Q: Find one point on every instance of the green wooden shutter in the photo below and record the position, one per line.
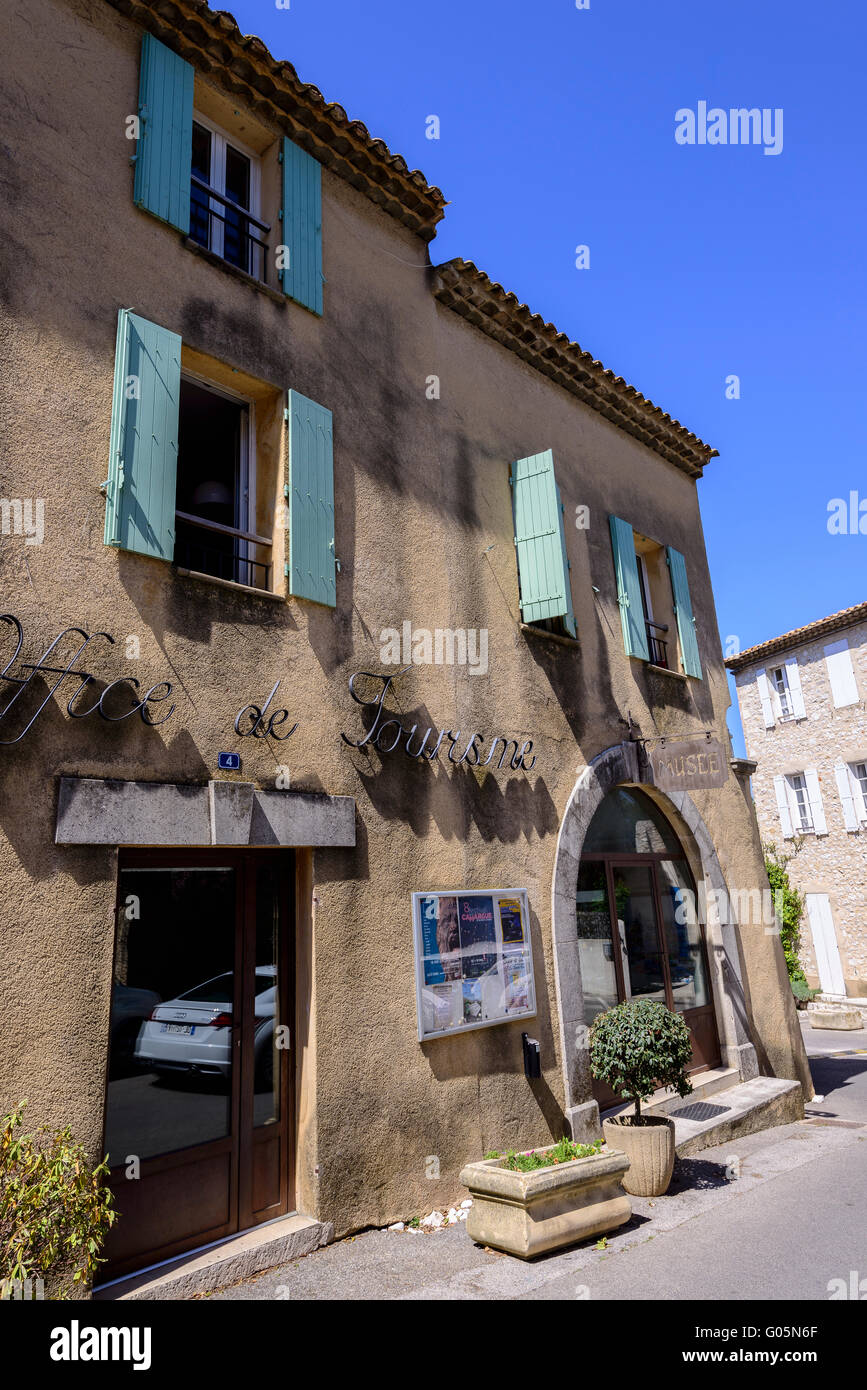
(142, 471)
(683, 610)
(310, 486)
(164, 155)
(628, 589)
(543, 569)
(301, 215)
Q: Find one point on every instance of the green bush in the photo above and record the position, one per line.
(792, 907)
(639, 1046)
(55, 1211)
(802, 991)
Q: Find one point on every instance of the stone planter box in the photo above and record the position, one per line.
(842, 1016)
(529, 1213)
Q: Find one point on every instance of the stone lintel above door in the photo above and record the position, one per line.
(96, 811)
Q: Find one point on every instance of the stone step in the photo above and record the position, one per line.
(704, 1084)
(746, 1108)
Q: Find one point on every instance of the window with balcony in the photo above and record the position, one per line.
(225, 184)
(215, 505)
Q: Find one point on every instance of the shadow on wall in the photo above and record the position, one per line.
(503, 806)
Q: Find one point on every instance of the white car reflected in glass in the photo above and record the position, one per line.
(193, 1032)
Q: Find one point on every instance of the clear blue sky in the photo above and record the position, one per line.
(557, 129)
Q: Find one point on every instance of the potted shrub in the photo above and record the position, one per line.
(636, 1048)
(527, 1203)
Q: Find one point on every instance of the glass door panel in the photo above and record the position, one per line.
(635, 916)
(689, 986)
(172, 1010)
(595, 951)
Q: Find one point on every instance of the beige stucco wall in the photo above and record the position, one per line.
(423, 533)
(836, 862)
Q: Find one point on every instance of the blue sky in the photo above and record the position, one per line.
(557, 129)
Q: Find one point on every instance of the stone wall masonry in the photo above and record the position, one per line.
(835, 863)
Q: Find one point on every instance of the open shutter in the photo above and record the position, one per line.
(838, 660)
(794, 678)
(628, 589)
(143, 463)
(164, 154)
(782, 795)
(301, 215)
(764, 687)
(817, 810)
(310, 487)
(683, 611)
(543, 569)
(847, 799)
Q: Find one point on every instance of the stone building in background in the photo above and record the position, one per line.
(803, 704)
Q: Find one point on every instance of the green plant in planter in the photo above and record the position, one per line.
(639, 1046)
(55, 1210)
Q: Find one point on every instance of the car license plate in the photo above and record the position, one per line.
(178, 1028)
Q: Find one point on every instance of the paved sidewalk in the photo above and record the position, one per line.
(792, 1220)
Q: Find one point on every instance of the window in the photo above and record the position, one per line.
(781, 687)
(852, 787)
(654, 600)
(780, 692)
(195, 175)
(224, 200)
(841, 676)
(799, 802)
(238, 486)
(216, 487)
(802, 819)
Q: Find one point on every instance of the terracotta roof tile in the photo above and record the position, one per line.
(798, 636)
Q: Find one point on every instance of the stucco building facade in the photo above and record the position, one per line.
(802, 702)
(275, 449)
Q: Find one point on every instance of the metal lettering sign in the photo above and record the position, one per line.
(689, 764)
(386, 734)
(42, 668)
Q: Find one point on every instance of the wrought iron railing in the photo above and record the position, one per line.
(237, 229)
(657, 647)
(222, 562)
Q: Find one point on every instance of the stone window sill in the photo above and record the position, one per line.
(541, 632)
(230, 584)
(197, 250)
(665, 670)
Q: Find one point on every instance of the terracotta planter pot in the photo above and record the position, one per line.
(529, 1213)
(650, 1150)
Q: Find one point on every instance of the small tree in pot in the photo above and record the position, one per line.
(635, 1048)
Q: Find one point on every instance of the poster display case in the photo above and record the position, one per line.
(473, 959)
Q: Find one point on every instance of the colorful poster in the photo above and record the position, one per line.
(517, 982)
(440, 939)
(478, 936)
(511, 921)
(472, 1001)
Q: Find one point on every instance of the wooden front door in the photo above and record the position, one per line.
(199, 1093)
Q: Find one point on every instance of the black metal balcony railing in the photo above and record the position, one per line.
(221, 556)
(657, 647)
(241, 246)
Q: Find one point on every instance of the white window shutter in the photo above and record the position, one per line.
(765, 697)
(817, 810)
(783, 806)
(794, 678)
(838, 660)
(847, 800)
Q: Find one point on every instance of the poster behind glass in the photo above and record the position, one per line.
(474, 964)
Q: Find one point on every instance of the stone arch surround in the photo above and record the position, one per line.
(619, 766)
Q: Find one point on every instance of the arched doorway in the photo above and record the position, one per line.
(633, 941)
